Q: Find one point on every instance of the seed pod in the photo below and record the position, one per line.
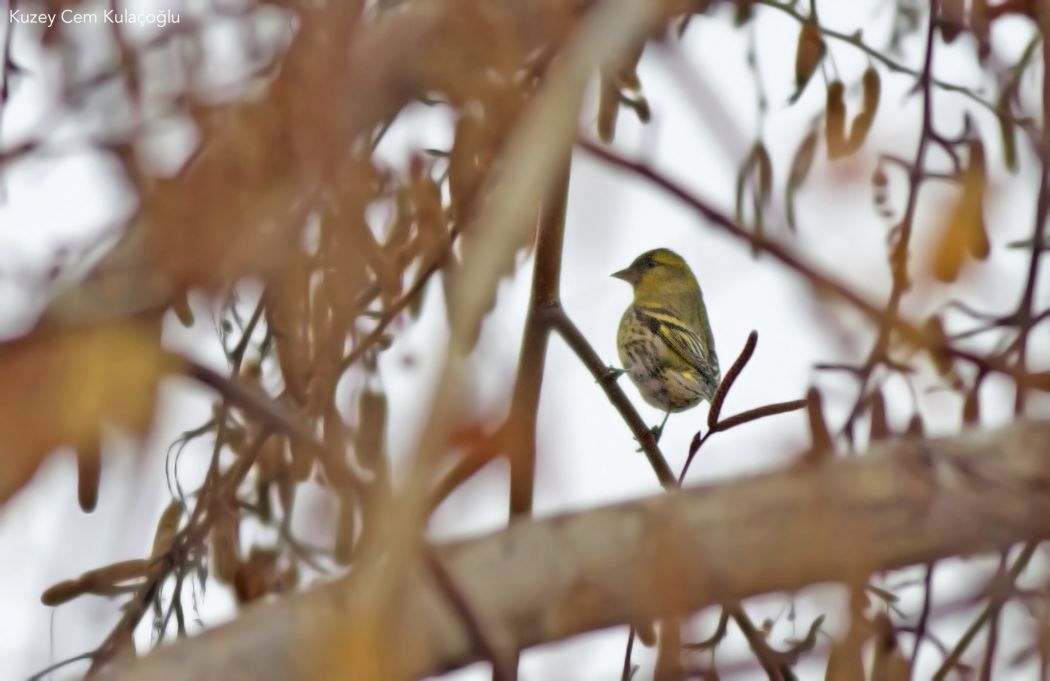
(971, 414)
(95, 581)
(808, 53)
(915, 426)
(975, 184)
(180, 305)
(765, 173)
(1007, 132)
(257, 576)
(225, 543)
(800, 167)
(980, 25)
(89, 476)
(742, 11)
(937, 340)
(818, 426)
(835, 120)
(371, 428)
(167, 526)
(862, 123)
(872, 88)
(951, 19)
(880, 427)
(964, 232)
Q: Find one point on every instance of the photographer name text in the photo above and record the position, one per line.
(109, 16)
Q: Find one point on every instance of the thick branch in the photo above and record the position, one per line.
(907, 502)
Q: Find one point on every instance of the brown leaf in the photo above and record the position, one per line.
(800, 167)
(808, 53)
(822, 446)
(951, 18)
(862, 123)
(880, 428)
(225, 542)
(98, 580)
(167, 526)
(89, 472)
(260, 575)
(964, 233)
(835, 120)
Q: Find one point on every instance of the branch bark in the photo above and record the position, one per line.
(906, 502)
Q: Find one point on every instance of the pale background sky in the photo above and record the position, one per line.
(704, 120)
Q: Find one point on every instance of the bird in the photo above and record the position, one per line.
(665, 345)
(664, 339)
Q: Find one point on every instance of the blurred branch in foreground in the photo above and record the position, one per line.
(838, 521)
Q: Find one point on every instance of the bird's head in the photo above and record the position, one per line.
(657, 270)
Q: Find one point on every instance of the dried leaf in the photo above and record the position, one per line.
(880, 428)
(167, 526)
(971, 415)
(964, 231)
(225, 542)
(862, 123)
(800, 167)
(89, 473)
(835, 120)
(742, 10)
(1007, 131)
(980, 25)
(822, 445)
(99, 580)
(951, 18)
(808, 53)
(936, 340)
(915, 426)
(180, 305)
(261, 575)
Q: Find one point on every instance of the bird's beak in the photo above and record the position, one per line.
(628, 275)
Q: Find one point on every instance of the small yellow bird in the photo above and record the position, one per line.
(664, 340)
(665, 344)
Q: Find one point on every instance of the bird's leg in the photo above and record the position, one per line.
(611, 374)
(658, 430)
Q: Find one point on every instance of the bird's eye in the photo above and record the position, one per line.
(650, 263)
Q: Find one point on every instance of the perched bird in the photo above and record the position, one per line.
(665, 344)
(664, 340)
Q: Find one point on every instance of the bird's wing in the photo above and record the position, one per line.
(682, 340)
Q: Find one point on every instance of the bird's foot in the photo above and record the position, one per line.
(655, 432)
(611, 374)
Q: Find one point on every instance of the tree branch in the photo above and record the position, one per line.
(549, 579)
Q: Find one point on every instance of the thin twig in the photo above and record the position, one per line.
(995, 601)
(607, 380)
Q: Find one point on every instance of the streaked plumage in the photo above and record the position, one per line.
(664, 340)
